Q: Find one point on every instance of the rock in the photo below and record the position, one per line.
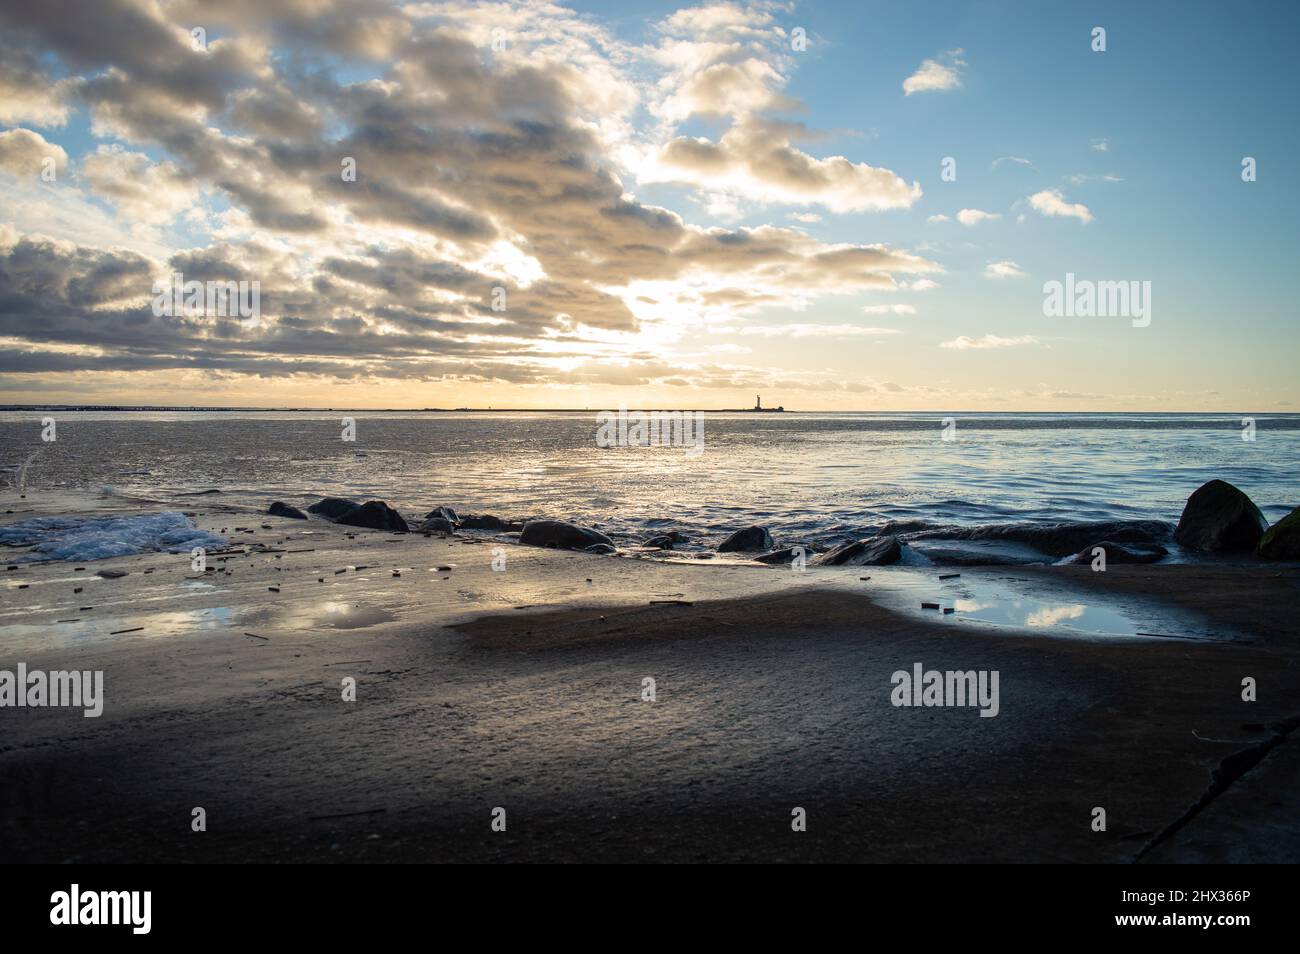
(279, 509)
(1051, 539)
(874, 551)
(749, 540)
(604, 548)
(786, 555)
(664, 541)
(560, 535)
(376, 515)
(1219, 518)
(332, 507)
(1123, 552)
(446, 513)
(437, 525)
(486, 521)
(112, 574)
(1282, 540)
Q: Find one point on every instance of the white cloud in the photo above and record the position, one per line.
(938, 218)
(889, 310)
(1003, 270)
(967, 343)
(1016, 159)
(808, 217)
(1052, 202)
(969, 217)
(815, 331)
(937, 74)
(1101, 145)
(920, 285)
(23, 152)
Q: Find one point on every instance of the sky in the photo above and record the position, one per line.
(838, 206)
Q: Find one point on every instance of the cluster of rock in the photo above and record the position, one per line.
(1218, 518)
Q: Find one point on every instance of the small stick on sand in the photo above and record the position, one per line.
(671, 602)
(255, 636)
(119, 632)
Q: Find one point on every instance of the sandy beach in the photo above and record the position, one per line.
(521, 688)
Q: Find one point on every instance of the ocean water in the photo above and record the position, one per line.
(808, 477)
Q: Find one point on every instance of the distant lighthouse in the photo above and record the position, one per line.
(758, 403)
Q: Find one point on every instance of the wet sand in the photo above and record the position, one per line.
(773, 691)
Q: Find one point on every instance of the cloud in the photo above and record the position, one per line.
(816, 331)
(142, 190)
(1100, 145)
(940, 217)
(969, 217)
(967, 343)
(919, 285)
(1052, 203)
(757, 160)
(1002, 270)
(938, 74)
(1013, 159)
(807, 217)
(24, 153)
(889, 310)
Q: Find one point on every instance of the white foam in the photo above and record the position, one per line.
(97, 538)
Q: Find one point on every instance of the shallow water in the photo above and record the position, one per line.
(809, 477)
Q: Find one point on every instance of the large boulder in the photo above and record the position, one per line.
(1123, 552)
(874, 551)
(749, 540)
(281, 509)
(1219, 518)
(560, 535)
(376, 515)
(1282, 540)
(332, 507)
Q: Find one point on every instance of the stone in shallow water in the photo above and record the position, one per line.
(560, 535)
(1219, 518)
(1282, 541)
(1123, 552)
(749, 540)
(874, 551)
(376, 515)
(332, 507)
(281, 509)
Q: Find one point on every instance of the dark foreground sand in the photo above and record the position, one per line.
(775, 698)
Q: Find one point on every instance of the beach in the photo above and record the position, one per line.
(521, 686)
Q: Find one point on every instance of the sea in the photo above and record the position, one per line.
(807, 477)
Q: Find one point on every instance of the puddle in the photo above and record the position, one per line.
(265, 620)
(978, 598)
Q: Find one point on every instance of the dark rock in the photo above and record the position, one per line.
(1219, 518)
(604, 548)
(785, 555)
(332, 507)
(485, 521)
(1123, 553)
(560, 535)
(664, 541)
(749, 540)
(875, 551)
(437, 525)
(279, 509)
(446, 513)
(1282, 541)
(376, 515)
(1054, 539)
